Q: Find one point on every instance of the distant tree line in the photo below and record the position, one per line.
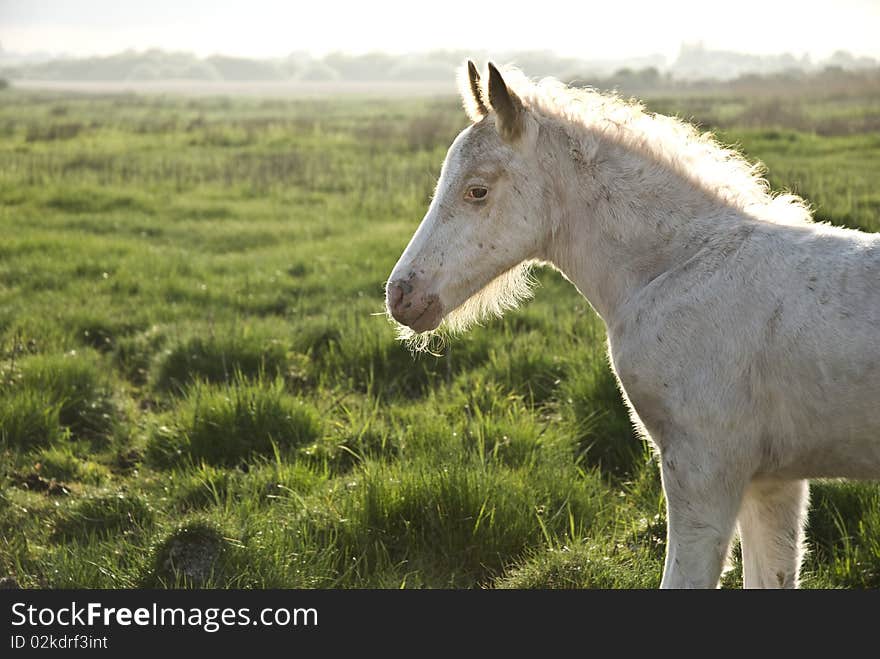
(693, 67)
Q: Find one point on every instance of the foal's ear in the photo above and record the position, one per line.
(507, 105)
(471, 92)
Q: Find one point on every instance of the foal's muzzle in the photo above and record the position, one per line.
(410, 305)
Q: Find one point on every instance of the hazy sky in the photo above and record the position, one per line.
(590, 30)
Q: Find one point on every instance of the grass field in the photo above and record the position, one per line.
(195, 389)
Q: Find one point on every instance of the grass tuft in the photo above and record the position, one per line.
(586, 565)
(28, 418)
(219, 358)
(103, 516)
(229, 424)
(71, 387)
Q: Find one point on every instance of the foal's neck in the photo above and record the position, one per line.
(627, 218)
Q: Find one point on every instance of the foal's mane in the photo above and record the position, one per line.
(722, 171)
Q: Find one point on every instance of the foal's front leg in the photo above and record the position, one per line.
(771, 524)
(702, 500)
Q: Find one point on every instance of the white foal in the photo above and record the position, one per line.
(745, 337)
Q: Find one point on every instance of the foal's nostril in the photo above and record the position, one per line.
(395, 295)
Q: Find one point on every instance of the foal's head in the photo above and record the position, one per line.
(469, 256)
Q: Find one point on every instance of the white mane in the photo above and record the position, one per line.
(699, 157)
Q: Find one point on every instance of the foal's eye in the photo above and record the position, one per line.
(476, 193)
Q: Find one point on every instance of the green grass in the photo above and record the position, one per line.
(228, 424)
(218, 357)
(28, 418)
(47, 397)
(196, 391)
(96, 517)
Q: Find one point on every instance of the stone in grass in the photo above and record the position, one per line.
(189, 556)
(9, 583)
